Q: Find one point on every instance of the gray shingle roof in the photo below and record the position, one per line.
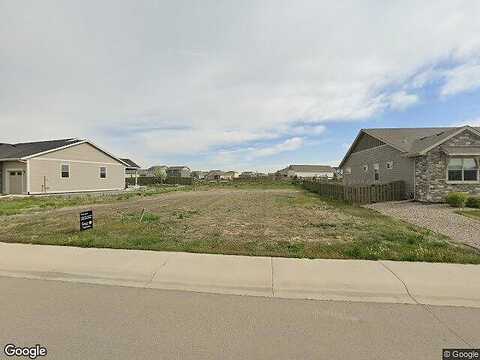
(412, 140)
(20, 150)
(130, 164)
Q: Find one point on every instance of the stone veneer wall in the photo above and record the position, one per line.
(431, 171)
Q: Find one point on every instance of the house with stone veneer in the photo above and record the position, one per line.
(431, 161)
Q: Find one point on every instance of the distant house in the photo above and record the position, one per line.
(307, 171)
(178, 171)
(132, 169)
(230, 175)
(431, 161)
(248, 175)
(59, 166)
(215, 175)
(199, 175)
(153, 171)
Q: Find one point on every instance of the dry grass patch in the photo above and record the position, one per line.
(279, 221)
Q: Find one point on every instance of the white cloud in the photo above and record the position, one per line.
(288, 145)
(401, 100)
(224, 73)
(462, 78)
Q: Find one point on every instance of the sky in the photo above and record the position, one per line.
(244, 85)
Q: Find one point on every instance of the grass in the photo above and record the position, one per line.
(19, 205)
(474, 214)
(279, 223)
(16, 205)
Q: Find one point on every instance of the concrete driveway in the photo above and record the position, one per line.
(437, 217)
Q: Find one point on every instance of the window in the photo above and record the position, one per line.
(389, 165)
(65, 171)
(348, 170)
(463, 169)
(376, 171)
(103, 172)
(365, 168)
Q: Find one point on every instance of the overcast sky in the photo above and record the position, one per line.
(234, 84)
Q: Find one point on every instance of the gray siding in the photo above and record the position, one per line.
(403, 167)
(366, 142)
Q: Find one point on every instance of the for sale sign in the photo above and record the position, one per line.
(86, 220)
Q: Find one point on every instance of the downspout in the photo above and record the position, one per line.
(28, 177)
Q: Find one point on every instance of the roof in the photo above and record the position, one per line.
(411, 141)
(130, 163)
(156, 167)
(311, 168)
(21, 150)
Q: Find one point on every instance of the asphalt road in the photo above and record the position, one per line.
(79, 321)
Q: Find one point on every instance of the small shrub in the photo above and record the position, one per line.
(457, 199)
(473, 202)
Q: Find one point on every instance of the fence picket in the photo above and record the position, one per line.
(393, 191)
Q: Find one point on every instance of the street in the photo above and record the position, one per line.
(85, 321)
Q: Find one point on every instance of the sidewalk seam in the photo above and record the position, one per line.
(426, 307)
(155, 272)
(403, 282)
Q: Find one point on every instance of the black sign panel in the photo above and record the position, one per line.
(86, 220)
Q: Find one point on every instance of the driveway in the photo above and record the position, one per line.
(437, 217)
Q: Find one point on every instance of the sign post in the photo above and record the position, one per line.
(86, 220)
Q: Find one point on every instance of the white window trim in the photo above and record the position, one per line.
(459, 182)
(391, 165)
(365, 167)
(61, 171)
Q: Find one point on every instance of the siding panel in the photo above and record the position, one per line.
(403, 167)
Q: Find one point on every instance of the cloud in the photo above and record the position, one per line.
(288, 145)
(160, 80)
(462, 78)
(401, 100)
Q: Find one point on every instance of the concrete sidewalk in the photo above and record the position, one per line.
(345, 280)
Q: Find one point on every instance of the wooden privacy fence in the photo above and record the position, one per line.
(368, 194)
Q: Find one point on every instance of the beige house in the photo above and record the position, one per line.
(59, 166)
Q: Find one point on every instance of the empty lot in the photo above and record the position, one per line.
(250, 221)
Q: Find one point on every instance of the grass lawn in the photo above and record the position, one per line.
(242, 218)
(474, 214)
(19, 205)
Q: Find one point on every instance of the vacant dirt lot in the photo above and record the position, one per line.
(277, 222)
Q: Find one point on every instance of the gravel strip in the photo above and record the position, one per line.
(437, 217)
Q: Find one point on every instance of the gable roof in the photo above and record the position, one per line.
(24, 151)
(130, 164)
(411, 141)
(21, 150)
(311, 168)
